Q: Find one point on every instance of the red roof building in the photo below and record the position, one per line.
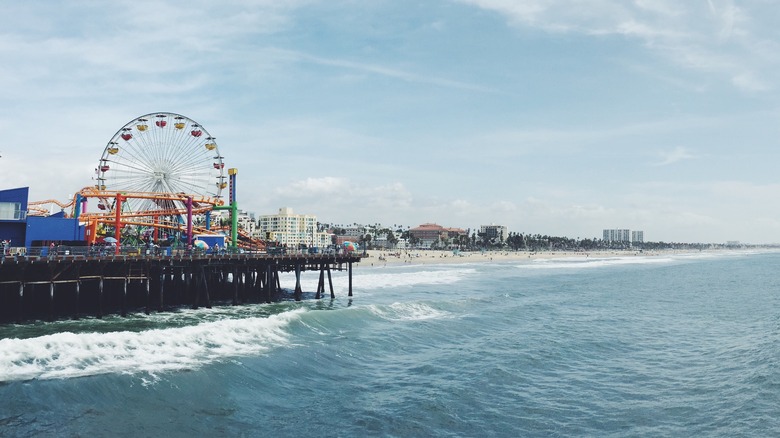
(429, 233)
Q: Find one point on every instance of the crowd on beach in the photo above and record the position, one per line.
(418, 256)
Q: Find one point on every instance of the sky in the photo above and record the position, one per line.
(546, 116)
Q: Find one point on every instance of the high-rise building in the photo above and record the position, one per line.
(624, 235)
(617, 235)
(291, 229)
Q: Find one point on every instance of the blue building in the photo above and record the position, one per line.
(22, 230)
(13, 215)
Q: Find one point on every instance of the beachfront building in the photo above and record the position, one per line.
(623, 235)
(492, 232)
(431, 234)
(292, 230)
(617, 235)
(354, 232)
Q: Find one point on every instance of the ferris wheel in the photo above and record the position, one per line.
(161, 153)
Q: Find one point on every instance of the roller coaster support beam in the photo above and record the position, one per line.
(233, 208)
(77, 206)
(189, 221)
(118, 222)
(76, 213)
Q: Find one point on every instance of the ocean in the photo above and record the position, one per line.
(668, 345)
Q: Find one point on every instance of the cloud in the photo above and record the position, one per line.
(338, 191)
(675, 155)
(735, 42)
(315, 187)
(384, 71)
(748, 81)
(505, 206)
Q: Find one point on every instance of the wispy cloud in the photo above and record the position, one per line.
(674, 156)
(718, 37)
(383, 71)
(339, 191)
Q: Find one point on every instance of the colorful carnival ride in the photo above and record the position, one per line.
(159, 179)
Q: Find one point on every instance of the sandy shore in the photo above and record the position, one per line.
(419, 257)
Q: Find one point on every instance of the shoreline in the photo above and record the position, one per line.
(379, 258)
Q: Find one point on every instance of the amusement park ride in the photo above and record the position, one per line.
(159, 178)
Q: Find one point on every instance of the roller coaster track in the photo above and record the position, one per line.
(39, 208)
(163, 218)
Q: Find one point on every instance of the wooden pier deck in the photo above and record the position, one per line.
(67, 286)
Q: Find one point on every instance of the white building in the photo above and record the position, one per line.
(292, 230)
(354, 231)
(247, 222)
(623, 235)
(617, 235)
(497, 232)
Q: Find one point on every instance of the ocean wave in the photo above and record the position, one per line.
(593, 262)
(372, 279)
(412, 311)
(67, 354)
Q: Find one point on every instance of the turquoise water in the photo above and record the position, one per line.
(685, 345)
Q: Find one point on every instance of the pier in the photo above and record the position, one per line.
(159, 229)
(53, 287)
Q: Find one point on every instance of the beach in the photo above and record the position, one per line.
(421, 256)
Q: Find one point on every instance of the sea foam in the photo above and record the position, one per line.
(67, 354)
(592, 262)
(411, 311)
(380, 278)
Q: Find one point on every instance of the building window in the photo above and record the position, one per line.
(10, 211)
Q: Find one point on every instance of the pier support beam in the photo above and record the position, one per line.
(321, 283)
(51, 301)
(235, 286)
(268, 281)
(330, 283)
(298, 291)
(204, 285)
(100, 299)
(161, 302)
(244, 280)
(147, 282)
(78, 299)
(350, 279)
(20, 309)
(206, 290)
(124, 296)
(148, 296)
